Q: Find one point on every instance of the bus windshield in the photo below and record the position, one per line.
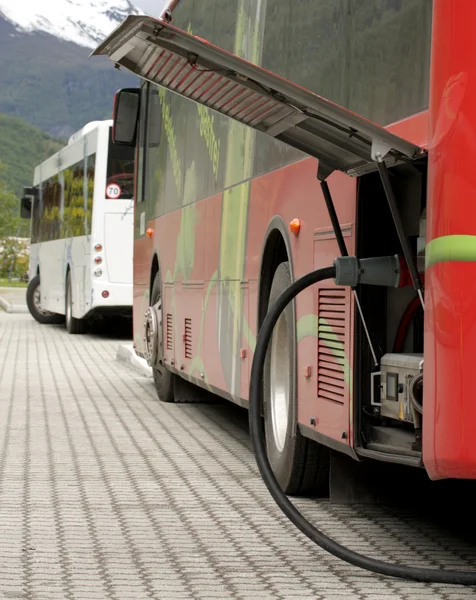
(120, 172)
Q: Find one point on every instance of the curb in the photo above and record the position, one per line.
(12, 308)
(126, 355)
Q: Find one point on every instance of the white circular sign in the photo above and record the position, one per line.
(113, 191)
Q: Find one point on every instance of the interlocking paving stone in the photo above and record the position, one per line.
(107, 493)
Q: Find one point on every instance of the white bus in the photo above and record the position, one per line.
(81, 211)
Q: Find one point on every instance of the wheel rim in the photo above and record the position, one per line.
(280, 381)
(158, 308)
(37, 301)
(152, 336)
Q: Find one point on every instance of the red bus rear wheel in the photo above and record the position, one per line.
(164, 380)
(300, 465)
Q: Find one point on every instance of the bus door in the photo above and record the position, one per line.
(119, 213)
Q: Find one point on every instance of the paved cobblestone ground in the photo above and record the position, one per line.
(107, 493)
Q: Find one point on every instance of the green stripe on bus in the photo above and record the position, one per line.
(451, 248)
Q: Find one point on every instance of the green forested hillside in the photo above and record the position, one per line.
(53, 84)
(22, 148)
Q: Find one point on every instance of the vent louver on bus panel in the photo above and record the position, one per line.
(188, 338)
(197, 70)
(169, 333)
(332, 344)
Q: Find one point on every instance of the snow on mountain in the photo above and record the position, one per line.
(84, 22)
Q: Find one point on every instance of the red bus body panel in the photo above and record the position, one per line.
(288, 193)
(449, 441)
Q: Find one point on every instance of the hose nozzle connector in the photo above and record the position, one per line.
(382, 270)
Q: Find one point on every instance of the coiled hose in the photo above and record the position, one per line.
(259, 447)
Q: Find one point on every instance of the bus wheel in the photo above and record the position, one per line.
(300, 465)
(33, 301)
(164, 380)
(73, 325)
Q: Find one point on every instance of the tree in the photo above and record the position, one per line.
(13, 258)
(11, 225)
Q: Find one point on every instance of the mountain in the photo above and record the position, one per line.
(23, 148)
(84, 22)
(47, 78)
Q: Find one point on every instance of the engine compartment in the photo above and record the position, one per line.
(388, 408)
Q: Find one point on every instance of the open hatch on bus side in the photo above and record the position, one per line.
(200, 71)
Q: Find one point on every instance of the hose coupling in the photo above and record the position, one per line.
(382, 270)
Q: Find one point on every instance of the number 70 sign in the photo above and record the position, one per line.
(113, 191)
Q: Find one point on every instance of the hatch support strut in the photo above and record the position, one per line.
(322, 174)
(379, 150)
(392, 204)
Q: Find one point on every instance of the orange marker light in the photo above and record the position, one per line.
(295, 226)
(149, 232)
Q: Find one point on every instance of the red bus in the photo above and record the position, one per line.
(226, 217)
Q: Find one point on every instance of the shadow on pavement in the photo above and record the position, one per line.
(445, 507)
(115, 329)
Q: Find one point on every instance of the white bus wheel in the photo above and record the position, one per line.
(33, 301)
(73, 325)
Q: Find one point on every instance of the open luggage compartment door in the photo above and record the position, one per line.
(195, 69)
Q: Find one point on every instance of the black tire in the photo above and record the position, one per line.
(73, 326)
(300, 465)
(33, 302)
(164, 380)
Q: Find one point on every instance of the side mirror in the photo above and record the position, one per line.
(26, 203)
(25, 208)
(126, 116)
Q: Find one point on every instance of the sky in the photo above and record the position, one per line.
(151, 7)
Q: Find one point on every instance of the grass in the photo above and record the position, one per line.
(12, 284)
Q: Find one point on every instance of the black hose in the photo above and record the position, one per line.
(416, 393)
(259, 447)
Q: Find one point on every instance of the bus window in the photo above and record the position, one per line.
(50, 220)
(120, 172)
(90, 172)
(36, 216)
(73, 222)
